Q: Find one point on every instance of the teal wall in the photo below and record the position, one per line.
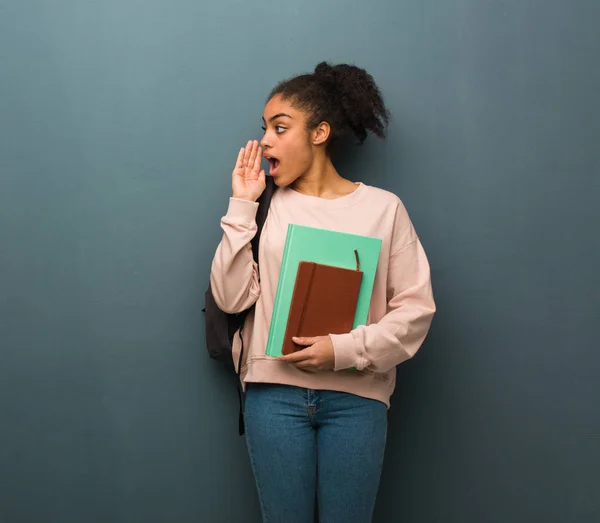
(119, 126)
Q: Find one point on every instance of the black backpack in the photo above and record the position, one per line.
(221, 327)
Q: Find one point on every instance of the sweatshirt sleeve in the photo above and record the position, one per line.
(234, 273)
(410, 308)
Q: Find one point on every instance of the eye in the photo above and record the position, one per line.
(278, 129)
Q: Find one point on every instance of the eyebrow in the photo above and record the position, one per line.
(278, 115)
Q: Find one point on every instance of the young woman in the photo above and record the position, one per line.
(316, 420)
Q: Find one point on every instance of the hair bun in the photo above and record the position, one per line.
(326, 72)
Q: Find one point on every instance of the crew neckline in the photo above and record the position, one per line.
(329, 203)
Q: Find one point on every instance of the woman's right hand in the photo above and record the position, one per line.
(248, 181)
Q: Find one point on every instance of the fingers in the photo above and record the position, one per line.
(304, 341)
(240, 159)
(300, 355)
(257, 160)
(250, 157)
(318, 355)
(247, 153)
(303, 360)
(296, 357)
(253, 155)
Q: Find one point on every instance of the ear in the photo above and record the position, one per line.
(320, 134)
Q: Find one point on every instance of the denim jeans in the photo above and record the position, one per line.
(306, 444)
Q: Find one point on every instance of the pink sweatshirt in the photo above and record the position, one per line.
(401, 308)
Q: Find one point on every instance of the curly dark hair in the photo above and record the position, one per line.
(345, 96)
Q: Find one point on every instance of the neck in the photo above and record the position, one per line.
(323, 181)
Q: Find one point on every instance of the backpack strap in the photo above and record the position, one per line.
(264, 201)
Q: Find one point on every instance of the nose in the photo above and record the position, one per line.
(265, 143)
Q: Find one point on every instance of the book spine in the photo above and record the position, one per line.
(270, 350)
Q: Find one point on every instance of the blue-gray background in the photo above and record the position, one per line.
(120, 121)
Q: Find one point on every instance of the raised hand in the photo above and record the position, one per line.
(248, 180)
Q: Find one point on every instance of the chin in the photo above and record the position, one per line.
(275, 179)
(280, 181)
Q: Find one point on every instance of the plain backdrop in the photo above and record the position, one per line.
(120, 122)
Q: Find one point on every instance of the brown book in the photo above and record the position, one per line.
(323, 302)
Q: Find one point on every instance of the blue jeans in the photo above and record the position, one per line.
(306, 444)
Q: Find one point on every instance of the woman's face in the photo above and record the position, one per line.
(286, 143)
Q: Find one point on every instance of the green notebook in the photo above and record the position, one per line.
(326, 247)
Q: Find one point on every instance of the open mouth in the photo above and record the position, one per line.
(273, 163)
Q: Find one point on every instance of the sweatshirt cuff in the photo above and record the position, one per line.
(346, 352)
(242, 210)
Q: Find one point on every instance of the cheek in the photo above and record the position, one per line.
(301, 154)
(298, 162)
(297, 154)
